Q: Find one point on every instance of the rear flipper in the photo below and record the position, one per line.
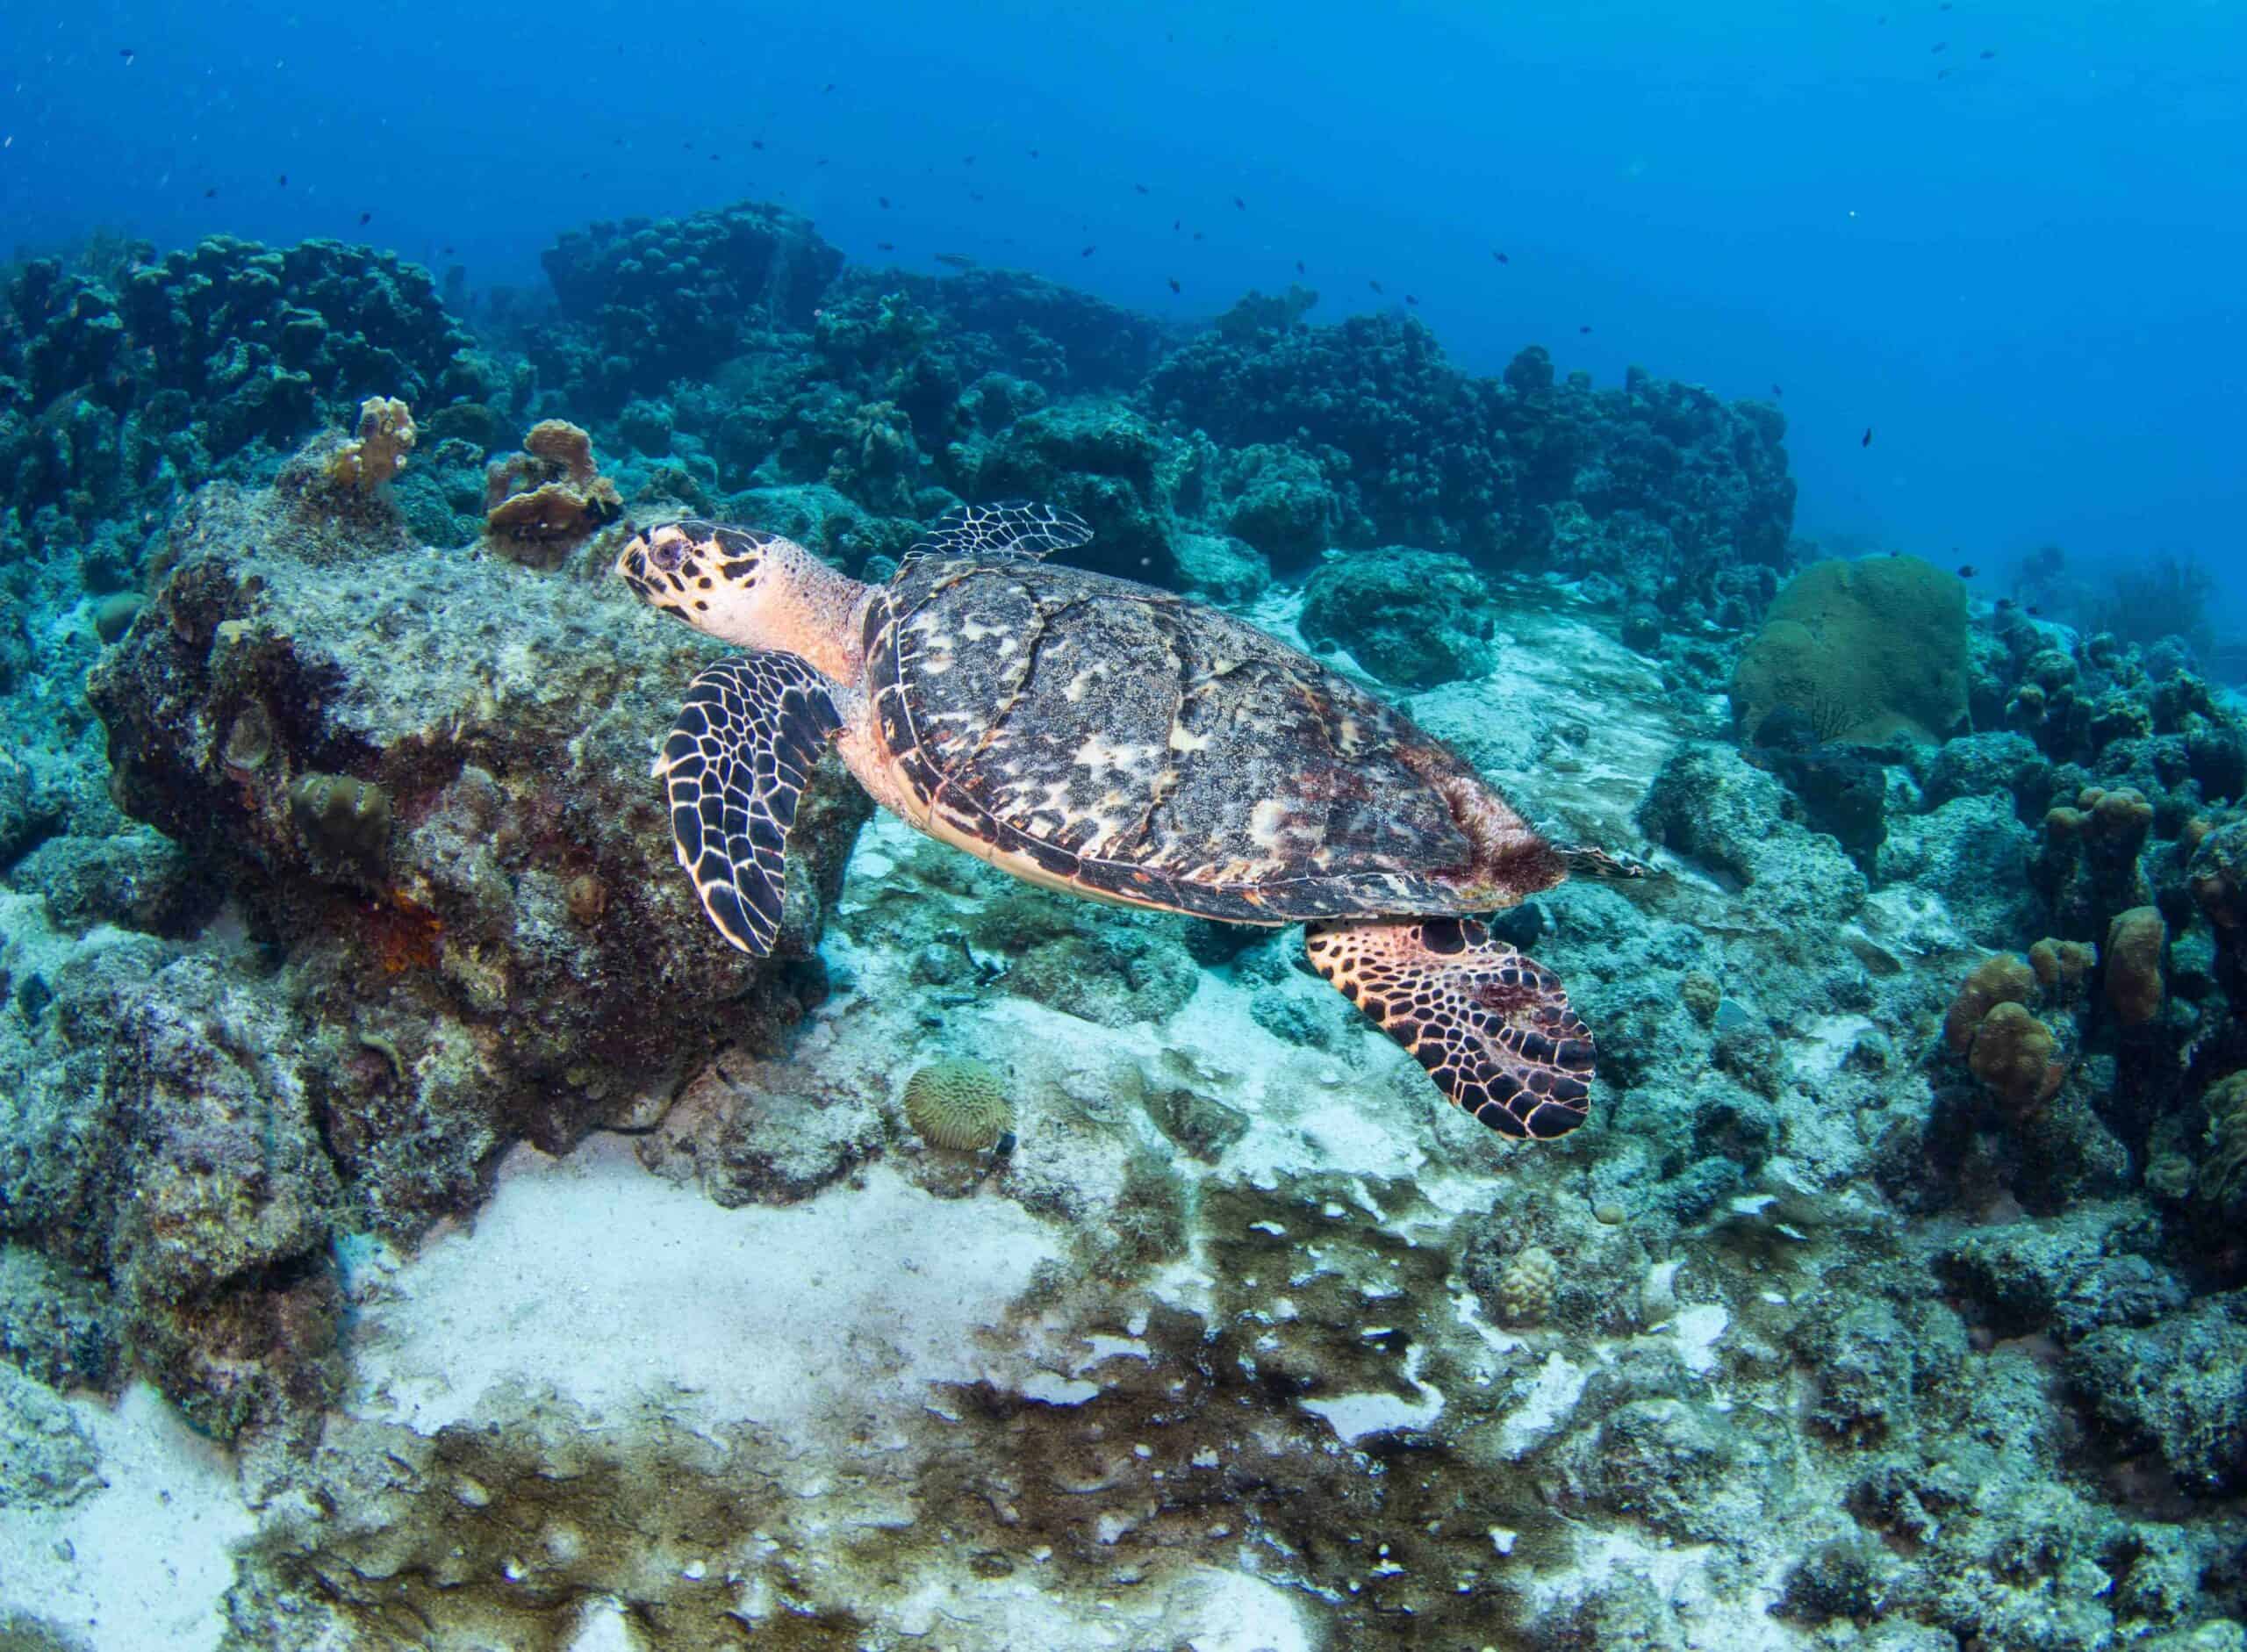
(1493, 1028)
(735, 763)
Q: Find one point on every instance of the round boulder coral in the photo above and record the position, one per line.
(959, 1104)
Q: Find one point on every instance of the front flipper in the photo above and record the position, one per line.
(1012, 528)
(1493, 1029)
(734, 765)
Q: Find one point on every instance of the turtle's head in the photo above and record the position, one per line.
(750, 588)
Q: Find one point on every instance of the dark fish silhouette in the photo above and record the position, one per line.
(1174, 284)
(1967, 570)
(284, 180)
(1299, 269)
(1942, 74)
(1939, 45)
(2005, 604)
(1777, 392)
(1867, 442)
(365, 219)
(211, 194)
(1175, 223)
(885, 246)
(444, 252)
(756, 143)
(958, 261)
(1033, 155)
(1990, 54)
(828, 88)
(127, 52)
(1141, 188)
(1088, 252)
(967, 160)
(975, 195)
(884, 199)
(2034, 611)
(1584, 329)
(1375, 285)
(1501, 258)
(1236, 201)
(1409, 298)
(1197, 235)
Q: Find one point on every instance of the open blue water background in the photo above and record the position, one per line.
(2025, 275)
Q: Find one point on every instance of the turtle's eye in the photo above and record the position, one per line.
(666, 550)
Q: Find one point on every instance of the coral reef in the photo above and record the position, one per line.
(375, 1100)
(377, 453)
(1863, 651)
(542, 504)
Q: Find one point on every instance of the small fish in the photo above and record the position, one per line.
(1175, 223)
(756, 143)
(1988, 54)
(884, 200)
(1410, 299)
(1584, 329)
(284, 180)
(1967, 570)
(1777, 392)
(1942, 74)
(1867, 441)
(1197, 235)
(127, 52)
(957, 261)
(1087, 252)
(444, 252)
(1375, 285)
(1939, 45)
(1299, 269)
(1236, 201)
(1033, 155)
(820, 161)
(1174, 284)
(827, 88)
(211, 194)
(1501, 258)
(967, 160)
(1142, 189)
(2005, 605)
(365, 219)
(2033, 612)
(975, 195)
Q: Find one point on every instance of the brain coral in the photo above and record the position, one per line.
(1867, 650)
(958, 1104)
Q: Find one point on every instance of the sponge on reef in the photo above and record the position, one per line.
(1866, 651)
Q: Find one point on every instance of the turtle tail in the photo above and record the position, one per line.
(1493, 1028)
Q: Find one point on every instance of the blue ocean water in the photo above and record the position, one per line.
(2005, 237)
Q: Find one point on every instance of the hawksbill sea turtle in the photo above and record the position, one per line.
(1119, 742)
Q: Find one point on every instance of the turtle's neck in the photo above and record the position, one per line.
(807, 608)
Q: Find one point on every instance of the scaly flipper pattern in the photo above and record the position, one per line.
(1493, 1029)
(1012, 528)
(734, 766)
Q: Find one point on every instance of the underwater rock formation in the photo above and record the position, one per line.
(1412, 618)
(425, 774)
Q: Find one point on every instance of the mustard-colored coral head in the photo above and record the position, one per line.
(959, 1104)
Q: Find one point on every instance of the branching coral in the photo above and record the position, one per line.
(541, 503)
(386, 435)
